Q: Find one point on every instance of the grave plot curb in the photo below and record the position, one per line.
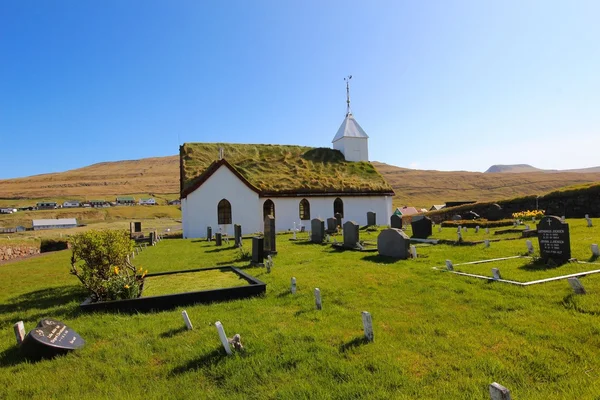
(165, 302)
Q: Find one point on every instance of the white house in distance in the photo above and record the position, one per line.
(71, 204)
(224, 184)
(58, 223)
(150, 201)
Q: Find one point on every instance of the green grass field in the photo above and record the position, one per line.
(437, 335)
(191, 282)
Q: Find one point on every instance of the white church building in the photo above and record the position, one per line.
(225, 184)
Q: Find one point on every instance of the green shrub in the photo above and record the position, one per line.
(100, 261)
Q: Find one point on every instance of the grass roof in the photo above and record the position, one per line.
(283, 169)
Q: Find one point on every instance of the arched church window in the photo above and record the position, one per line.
(304, 209)
(268, 209)
(338, 207)
(224, 212)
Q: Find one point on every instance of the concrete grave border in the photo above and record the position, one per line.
(255, 287)
(489, 278)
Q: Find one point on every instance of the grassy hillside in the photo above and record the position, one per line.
(160, 176)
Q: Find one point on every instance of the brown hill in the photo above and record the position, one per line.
(160, 175)
(517, 168)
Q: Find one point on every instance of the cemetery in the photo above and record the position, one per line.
(380, 324)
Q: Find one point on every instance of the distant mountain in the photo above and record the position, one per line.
(519, 168)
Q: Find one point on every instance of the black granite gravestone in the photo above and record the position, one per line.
(554, 240)
(351, 234)
(208, 233)
(421, 227)
(237, 234)
(317, 230)
(50, 338)
(371, 218)
(396, 221)
(331, 225)
(270, 244)
(218, 239)
(258, 250)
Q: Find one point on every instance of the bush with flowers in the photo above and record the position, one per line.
(100, 261)
(528, 215)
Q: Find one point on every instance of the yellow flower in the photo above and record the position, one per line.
(126, 286)
(140, 270)
(144, 274)
(116, 270)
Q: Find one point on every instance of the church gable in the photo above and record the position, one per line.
(273, 170)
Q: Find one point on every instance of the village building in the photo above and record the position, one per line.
(71, 204)
(46, 205)
(436, 207)
(225, 184)
(150, 201)
(125, 201)
(58, 223)
(99, 203)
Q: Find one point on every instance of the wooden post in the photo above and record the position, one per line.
(318, 299)
(293, 286)
(449, 265)
(187, 321)
(576, 285)
(595, 251)
(19, 328)
(499, 392)
(367, 325)
(223, 338)
(496, 273)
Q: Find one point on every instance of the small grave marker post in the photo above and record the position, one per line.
(293, 288)
(223, 337)
(318, 303)
(499, 392)
(19, 328)
(187, 321)
(413, 251)
(496, 274)
(589, 222)
(439, 228)
(477, 229)
(487, 243)
(595, 250)
(449, 265)
(459, 237)
(459, 229)
(487, 230)
(529, 246)
(367, 325)
(576, 285)
(527, 227)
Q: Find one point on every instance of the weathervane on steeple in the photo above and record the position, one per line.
(347, 80)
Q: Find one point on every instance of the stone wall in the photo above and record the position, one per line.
(9, 252)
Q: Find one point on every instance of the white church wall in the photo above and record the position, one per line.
(355, 149)
(199, 209)
(355, 209)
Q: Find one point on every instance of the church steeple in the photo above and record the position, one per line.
(347, 80)
(350, 138)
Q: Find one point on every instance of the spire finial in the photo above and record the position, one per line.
(347, 80)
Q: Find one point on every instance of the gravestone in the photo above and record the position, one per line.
(208, 233)
(499, 392)
(367, 326)
(270, 238)
(331, 225)
(422, 228)
(496, 273)
(237, 234)
(50, 338)
(595, 250)
(351, 234)
(396, 221)
(576, 285)
(258, 250)
(371, 218)
(393, 243)
(317, 228)
(338, 217)
(152, 238)
(218, 239)
(554, 240)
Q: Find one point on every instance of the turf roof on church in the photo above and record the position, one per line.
(283, 169)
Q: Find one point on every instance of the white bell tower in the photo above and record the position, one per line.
(351, 139)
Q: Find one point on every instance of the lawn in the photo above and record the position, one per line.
(191, 282)
(437, 335)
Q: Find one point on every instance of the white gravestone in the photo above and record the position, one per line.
(496, 273)
(465, 229)
(487, 230)
(187, 321)
(477, 229)
(318, 303)
(223, 337)
(293, 288)
(459, 229)
(367, 325)
(576, 285)
(19, 328)
(589, 222)
(449, 265)
(595, 251)
(499, 392)
(413, 251)
(529, 246)
(487, 243)
(459, 236)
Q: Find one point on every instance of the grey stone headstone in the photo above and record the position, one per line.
(449, 265)
(396, 221)
(499, 392)
(351, 234)
(393, 243)
(317, 228)
(258, 247)
(595, 250)
(576, 285)
(331, 224)
(367, 325)
(237, 234)
(487, 230)
(422, 228)
(270, 237)
(496, 273)
(589, 222)
(208, 233)
(218, 239)
(371, 218)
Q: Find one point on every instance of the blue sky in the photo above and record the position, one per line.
(447, 85)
